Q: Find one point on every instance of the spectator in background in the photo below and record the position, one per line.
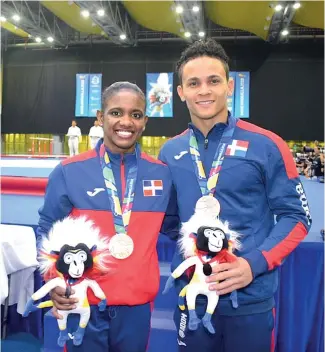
(95, 134)
(319, 167)
(308, 164)
(74, 134)
(300, 163)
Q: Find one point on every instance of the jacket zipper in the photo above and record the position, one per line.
(122, 177)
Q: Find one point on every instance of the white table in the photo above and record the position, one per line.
(18, 260)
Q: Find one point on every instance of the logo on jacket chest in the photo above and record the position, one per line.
(152, 188)
(95, 192)
(181, 154)
(237, 148)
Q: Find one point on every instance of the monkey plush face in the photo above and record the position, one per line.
(74, 261)
(211, 240)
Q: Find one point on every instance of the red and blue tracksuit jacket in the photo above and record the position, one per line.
(71, 190)
(254, 186)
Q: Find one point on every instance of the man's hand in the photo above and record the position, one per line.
(236, 275)
(61, 302)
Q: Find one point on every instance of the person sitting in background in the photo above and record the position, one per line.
(308, 164)
(300, 163)
(319, 167)
(316, 147)
(95, 134)
(74, 134)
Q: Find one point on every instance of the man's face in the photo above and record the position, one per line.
(73, 124)
(96, 123)
(123, 120)
(205, 87)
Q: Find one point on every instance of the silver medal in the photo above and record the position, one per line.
(121, 246)
(208, 206)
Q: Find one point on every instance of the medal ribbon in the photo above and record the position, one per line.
(208, 186)
(122, 215)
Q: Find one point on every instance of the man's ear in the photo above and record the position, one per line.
(231, 87)
(180, 93)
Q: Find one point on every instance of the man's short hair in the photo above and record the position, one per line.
(209, 48)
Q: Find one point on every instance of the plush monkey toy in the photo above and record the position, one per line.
(205, 241)
(72, 256)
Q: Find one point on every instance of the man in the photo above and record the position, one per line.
(319, 167)
(95, 134)
(254, 178)
(126, 193)
(74, 134)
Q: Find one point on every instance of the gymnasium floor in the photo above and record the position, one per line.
(163, 333)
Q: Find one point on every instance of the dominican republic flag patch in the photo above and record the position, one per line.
(152, 188)
(237, 148)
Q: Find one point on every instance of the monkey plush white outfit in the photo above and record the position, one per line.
(205, 242)
(73, 252)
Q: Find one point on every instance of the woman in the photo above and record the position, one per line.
(112, 180)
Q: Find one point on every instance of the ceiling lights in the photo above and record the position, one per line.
(16, 18)
(179, 9)
(85, 13)
(100, 12)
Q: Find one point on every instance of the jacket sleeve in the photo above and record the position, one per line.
(56, 203)
(287, 200)
(171, 224)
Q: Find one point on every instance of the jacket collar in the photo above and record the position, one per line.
(119, 157)
(215, 130)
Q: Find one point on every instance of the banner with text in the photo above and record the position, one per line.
(242, 95)
(95, 94)
(231, 99)
(82, 96)
(88, 94)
